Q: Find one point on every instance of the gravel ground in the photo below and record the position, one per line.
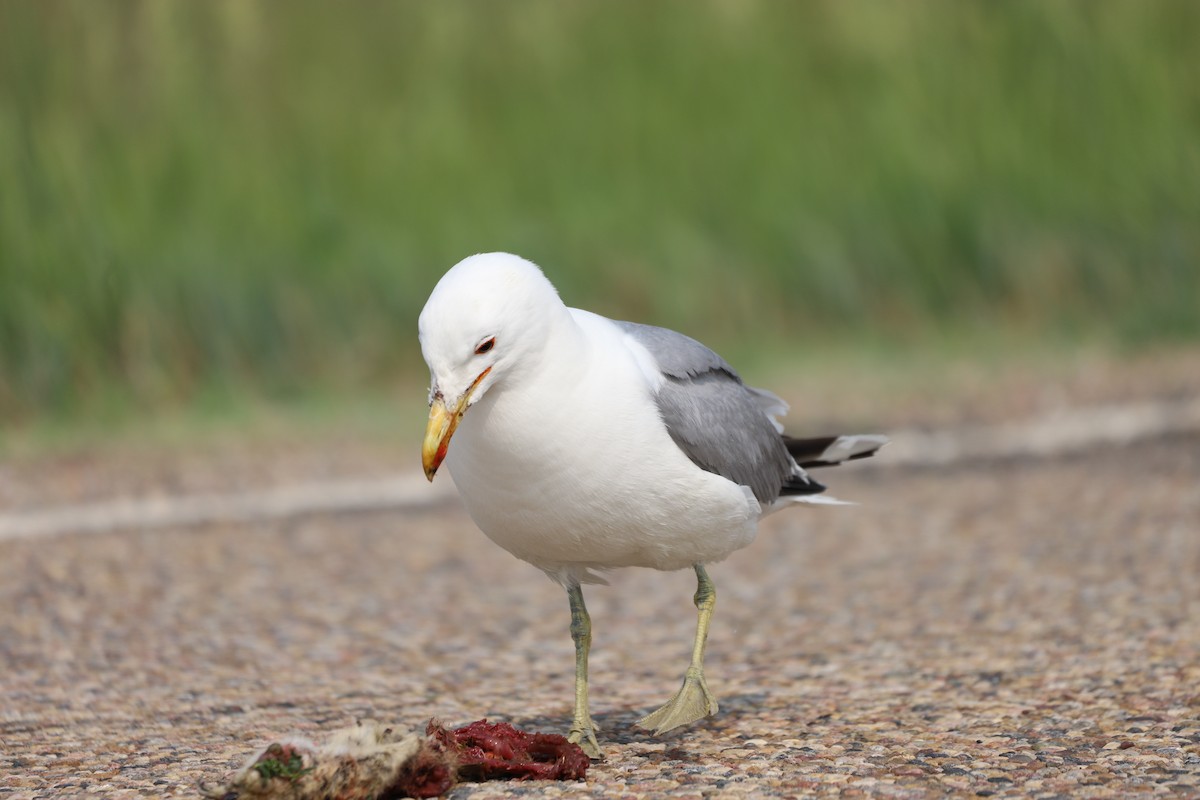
(1006, 629)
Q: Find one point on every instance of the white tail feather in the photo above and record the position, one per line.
(809, 499)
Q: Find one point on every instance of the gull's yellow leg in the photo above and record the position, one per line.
(693, 701)
(583, 730)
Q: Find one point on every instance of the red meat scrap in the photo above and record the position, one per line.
(485, 751)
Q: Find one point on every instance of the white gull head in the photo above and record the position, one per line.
(488, 320)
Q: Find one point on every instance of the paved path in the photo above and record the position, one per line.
(1016, 626)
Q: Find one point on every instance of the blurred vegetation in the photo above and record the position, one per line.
(256, 198)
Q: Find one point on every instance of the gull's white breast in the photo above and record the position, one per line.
(572, 469)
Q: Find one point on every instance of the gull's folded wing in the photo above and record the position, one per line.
(714, 418)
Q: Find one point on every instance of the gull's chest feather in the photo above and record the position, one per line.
(583, 473)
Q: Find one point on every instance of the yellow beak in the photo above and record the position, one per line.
(442, 424)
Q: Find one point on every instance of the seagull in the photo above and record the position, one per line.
(583, 444)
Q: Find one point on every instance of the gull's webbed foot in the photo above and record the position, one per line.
(693, 701)
(583, 733)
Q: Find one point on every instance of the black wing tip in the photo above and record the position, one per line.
(798, 485)
(855, 457)
(808, 453)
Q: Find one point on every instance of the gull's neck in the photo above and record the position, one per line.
(553, 364)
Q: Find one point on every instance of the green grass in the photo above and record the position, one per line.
(240, 199)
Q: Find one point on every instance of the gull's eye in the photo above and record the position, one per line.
(485, 345)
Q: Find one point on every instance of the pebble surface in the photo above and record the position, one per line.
(1012, 629)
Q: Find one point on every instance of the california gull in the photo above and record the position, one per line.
(593, 444)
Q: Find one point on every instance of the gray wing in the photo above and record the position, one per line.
(716, 419)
